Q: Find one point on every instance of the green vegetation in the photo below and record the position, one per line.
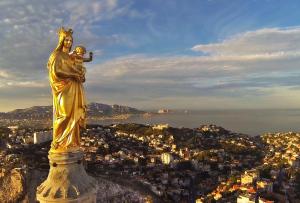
(4, 132)
(133, 128)
(265, 172)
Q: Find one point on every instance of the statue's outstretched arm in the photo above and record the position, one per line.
(88, 59)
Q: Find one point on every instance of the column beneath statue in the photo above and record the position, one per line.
(67, 180)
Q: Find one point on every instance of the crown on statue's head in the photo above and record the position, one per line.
(62, 33)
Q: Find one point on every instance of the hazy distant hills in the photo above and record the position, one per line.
(45, 112)
(97, 109)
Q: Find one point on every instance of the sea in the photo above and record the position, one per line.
(252, 122)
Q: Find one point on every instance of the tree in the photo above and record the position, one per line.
(265, 172)
(233, 179)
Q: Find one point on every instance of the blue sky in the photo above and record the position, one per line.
(196, 54)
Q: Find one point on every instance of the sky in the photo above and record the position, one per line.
(196, 54)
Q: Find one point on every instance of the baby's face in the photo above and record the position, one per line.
(80, 53)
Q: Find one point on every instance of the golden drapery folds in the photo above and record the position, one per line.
(69, 105)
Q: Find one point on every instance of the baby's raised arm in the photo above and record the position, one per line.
(88, 59)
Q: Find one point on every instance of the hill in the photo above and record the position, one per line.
(45, 112)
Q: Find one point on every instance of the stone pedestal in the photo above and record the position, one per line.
(67, 180)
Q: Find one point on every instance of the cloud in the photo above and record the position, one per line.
(262, 51)
(239, 68)
(28, 33)
(27, 84)
(263, 42)
(4, 74)
(190, 68)
(258, 64)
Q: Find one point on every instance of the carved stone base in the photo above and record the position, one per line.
(67, 180)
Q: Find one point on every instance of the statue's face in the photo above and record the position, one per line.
(68, 42)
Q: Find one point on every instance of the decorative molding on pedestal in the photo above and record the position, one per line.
(67, 180)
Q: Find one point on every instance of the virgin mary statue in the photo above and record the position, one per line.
(69, 105)
(67, 180)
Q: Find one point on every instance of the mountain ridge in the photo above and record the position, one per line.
(93, 110)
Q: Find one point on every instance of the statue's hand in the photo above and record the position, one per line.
(83, 79)
(91, 56)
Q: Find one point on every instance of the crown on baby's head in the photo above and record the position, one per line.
(80, 49)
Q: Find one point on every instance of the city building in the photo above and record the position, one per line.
(43, 136)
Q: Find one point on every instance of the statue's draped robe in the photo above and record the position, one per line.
(69, 105)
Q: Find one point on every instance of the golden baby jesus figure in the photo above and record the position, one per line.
(77, 56)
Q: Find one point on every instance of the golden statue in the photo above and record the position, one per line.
(67, 180)
(69, 104)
